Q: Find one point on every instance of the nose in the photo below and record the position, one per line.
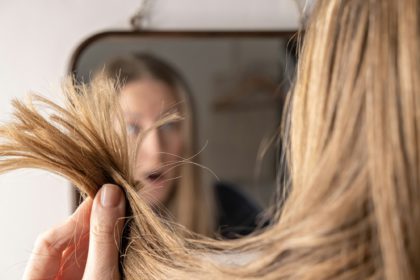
(150, 152)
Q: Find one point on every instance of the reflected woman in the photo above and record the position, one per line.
(153, 89)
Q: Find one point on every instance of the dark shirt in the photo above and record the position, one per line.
(237, 214)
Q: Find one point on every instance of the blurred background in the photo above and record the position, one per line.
(38, 40)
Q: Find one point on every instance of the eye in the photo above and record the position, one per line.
(133, 129)
(169, 127)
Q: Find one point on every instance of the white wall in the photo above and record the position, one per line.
(37, 38)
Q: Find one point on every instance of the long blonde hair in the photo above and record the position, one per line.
(353, 209)
(191, 203)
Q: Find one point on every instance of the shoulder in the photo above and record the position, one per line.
(237, 213)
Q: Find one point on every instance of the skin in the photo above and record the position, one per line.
(145, 102)
(85, 246)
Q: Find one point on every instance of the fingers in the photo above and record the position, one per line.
(73, 261)
(106, 227)
(46, 257)
(94, 230)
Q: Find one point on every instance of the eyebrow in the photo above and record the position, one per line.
(171, 110)
(131, 114)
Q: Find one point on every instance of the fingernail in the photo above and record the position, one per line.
(110, 196)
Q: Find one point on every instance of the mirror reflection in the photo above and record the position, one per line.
(209, 167)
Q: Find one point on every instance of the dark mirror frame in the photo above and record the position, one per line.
(74, 59)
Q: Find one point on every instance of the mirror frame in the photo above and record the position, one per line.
(173, 34)
(81, 48)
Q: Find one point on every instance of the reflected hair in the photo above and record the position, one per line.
(191, 203)
(353, 209)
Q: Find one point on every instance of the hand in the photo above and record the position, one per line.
(86, 245)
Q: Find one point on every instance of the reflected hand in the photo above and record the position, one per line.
(86, 245)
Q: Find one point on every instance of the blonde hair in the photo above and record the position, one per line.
(191, 203)
(353, 209)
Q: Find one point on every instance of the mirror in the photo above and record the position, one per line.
(239, 82)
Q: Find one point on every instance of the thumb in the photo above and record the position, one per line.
(106, 224)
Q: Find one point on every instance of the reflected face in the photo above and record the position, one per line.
(145, 102)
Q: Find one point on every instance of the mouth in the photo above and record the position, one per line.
(154, 177)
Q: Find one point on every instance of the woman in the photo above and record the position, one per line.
(354, 207)
(168, 162)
